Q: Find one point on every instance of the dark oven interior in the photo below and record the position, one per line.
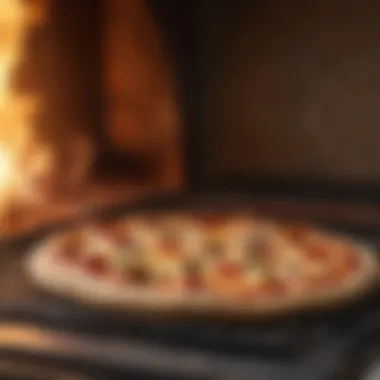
(267, 91)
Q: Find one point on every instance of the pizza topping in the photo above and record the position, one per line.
(121, 237)
(96, 265)
(138, 275)
(194, 281)
(69, 255)
(167, 268)
(317, 252)
(214, 248)
(290, 272)
(132, 249)
(230, 269)
(170, 241)
(70, 248)
(255, 276)
(192, 267)
(257, 249)
(193, 274)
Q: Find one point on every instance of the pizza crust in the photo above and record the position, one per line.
(71, 284)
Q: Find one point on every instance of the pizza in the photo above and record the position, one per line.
(202, 262)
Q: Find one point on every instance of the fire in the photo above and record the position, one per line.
(17, 139)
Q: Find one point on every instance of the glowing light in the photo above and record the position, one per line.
(16, 110)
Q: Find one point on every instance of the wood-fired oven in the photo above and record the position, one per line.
(103, 102)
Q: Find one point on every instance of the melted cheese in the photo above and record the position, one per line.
(192, 241)
(98, 244)
(167, 269)
(255, 277)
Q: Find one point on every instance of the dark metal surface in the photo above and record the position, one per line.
(148, 359)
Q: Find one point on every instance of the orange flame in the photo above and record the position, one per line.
(16, 17)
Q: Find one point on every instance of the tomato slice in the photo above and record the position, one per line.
(317, 252)
(230, 269)
(170, 245)
(194, 282)
(97, 266)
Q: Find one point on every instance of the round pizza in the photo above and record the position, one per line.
(202, 262)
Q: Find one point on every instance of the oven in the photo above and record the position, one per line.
(112, 106)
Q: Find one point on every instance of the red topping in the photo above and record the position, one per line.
(317, 252)
(194, 282)
(96, 266)
(170, 245)
(230, 269)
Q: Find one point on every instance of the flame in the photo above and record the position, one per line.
(16, 110)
